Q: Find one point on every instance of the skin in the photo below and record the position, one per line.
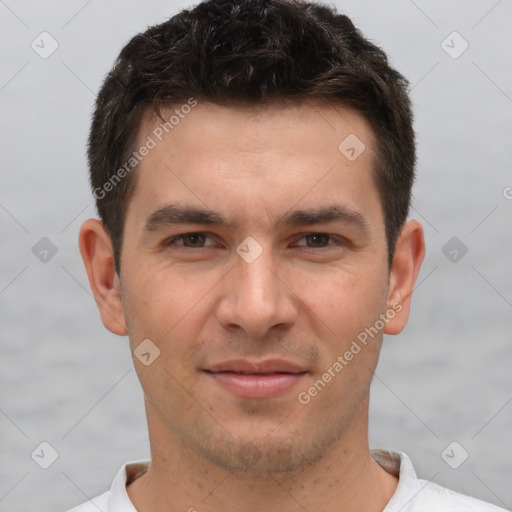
(304, 299)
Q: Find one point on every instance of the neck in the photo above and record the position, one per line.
(345, 478)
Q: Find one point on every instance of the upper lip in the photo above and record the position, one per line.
(248, 367)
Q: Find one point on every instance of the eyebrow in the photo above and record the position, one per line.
(177, 214)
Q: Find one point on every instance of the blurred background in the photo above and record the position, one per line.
(443, 388)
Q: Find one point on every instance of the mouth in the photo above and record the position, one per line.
(264, 379)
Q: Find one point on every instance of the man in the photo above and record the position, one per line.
(252, 163)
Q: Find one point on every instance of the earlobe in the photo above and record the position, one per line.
(96, 250)
(407, 260)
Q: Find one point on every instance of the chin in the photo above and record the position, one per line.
(274, 453)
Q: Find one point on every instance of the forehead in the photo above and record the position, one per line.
(270, 157)
(309, 126)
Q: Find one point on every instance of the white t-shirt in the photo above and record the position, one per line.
(411, 495)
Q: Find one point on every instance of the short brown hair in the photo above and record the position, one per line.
(251, 52)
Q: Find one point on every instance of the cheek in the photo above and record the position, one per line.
(164, 308)
(160, 293)
(167, 307)
(348, 305)
(346, 300)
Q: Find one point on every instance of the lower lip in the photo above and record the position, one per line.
(257, 385)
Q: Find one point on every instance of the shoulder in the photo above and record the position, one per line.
(437, 497)
(99, 504)
(116, 499)
(414, 494)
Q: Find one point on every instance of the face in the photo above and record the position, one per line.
(254, 260)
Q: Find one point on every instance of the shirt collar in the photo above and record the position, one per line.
(118, 500)
(396, 463)
(400, 465)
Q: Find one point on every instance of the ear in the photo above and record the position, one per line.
(407, 259)
(96, 249)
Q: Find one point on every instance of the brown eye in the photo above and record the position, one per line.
(189, 240)
(195, 239)
(318, 239)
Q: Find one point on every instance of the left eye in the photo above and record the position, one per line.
(317, 240)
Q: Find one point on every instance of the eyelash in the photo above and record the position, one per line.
(171, 241)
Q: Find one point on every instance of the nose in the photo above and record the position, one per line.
(256, 298)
